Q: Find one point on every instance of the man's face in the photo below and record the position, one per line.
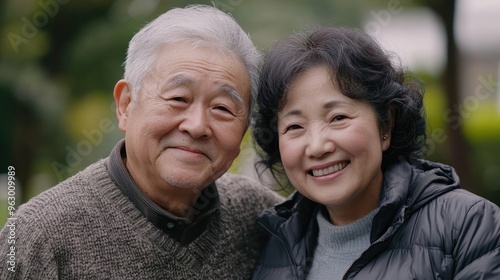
(185, 127)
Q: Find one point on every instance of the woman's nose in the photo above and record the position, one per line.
(319, 143)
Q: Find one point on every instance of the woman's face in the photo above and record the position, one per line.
(331, 146)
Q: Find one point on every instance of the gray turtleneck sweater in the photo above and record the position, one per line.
(339, 246)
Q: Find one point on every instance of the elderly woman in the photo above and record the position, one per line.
(347, 127)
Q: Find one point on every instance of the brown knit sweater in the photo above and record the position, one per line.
(85, 228)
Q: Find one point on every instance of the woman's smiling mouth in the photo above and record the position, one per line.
(328, 170)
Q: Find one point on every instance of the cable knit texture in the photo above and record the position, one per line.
(85, 228)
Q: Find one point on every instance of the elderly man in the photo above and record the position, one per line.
(160, 206)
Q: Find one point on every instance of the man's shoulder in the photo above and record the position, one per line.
(74, 192)
(92, 175)
(234, 183)
(236, 179)
(241, 187)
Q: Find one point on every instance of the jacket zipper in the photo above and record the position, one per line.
(405, 216)
(358, 259)
(288, 252)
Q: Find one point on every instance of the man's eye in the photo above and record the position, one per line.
(222, 108)
(178, 99)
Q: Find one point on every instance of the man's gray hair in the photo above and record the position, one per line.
(198, 25)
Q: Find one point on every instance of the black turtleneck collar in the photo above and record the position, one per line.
(179, 228)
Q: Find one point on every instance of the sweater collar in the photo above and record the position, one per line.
(179, 228)
(350, 238)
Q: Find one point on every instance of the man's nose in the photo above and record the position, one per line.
(196, 122)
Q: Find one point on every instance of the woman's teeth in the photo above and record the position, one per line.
(334, 168)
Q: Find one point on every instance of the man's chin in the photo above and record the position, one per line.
(186, 180)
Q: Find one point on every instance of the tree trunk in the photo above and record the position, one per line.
(459, 148)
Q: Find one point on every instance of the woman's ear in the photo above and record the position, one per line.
(387, 130)
(123, 98)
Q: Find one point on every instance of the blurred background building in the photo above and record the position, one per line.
(60, 59)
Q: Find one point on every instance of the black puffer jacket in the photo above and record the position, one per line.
(426, 228)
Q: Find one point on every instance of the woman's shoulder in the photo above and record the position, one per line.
(461, 199)
(469, 217)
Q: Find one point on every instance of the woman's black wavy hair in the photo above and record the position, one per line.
(361, 70)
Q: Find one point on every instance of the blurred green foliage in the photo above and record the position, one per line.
(60, 59)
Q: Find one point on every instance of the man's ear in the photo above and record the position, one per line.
(123, 98)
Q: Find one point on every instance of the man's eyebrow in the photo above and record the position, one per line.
(183, 80)
(178, 80)
(233, 93)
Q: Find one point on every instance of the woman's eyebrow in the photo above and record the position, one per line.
(327, 105)
(334, 103)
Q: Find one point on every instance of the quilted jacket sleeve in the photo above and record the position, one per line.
(477, 250)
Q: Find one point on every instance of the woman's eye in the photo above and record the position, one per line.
(338, 118)
(293, 127)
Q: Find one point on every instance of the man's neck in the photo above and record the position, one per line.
(176, 201)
